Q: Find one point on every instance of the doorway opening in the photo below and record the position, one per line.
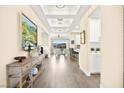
(59, 47)
(95, 43)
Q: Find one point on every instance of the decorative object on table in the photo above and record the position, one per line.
(41, 50)
(29, 33)
(39, 66)
(82, 37)
(20, 58)
(34, 71)
(29, 49)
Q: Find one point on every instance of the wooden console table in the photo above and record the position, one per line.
(19, 74)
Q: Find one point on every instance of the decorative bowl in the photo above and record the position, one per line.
(20, 58)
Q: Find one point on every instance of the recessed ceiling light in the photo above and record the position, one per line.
(59, 30)
(59, 19)
(77, 26)
(59, 22)
(60, 6)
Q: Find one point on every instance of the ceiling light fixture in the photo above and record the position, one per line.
(59, 30)
(59, 22)
(60, 6)
(59, 19)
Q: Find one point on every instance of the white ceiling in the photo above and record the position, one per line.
(65, 10)
(61, 20)
(96, 13)
(65, 22)
(65, 19)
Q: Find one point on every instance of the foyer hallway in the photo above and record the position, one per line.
(61, 72)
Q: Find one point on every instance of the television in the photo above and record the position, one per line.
(29, 33)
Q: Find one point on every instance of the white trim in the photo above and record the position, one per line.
(86, 73)
(101, 86)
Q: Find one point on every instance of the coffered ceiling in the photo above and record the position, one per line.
(60, 9)
(60, 18)
(60, 22)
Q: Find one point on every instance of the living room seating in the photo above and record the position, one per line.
(74, 55)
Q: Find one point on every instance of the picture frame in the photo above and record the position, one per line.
(82, 37)
(72, 41)
(28, 33)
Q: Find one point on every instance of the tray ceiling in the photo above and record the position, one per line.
(61, 18)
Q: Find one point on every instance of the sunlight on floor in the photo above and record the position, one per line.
(62, 61)
(58, 63)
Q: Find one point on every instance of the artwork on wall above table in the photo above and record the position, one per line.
(29, 33)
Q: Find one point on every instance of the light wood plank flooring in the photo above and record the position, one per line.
(61, 72)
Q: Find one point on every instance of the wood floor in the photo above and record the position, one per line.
(61, 72)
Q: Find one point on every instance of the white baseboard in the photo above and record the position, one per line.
(101, 86)
(87, 73)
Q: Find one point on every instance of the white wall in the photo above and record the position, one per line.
(45, 42)
(84, 57)
(10, 37)
(112, 46)
(77, 39)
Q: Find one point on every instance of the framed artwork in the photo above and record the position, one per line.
(72, 41)
(82, 37)
(29, 33)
